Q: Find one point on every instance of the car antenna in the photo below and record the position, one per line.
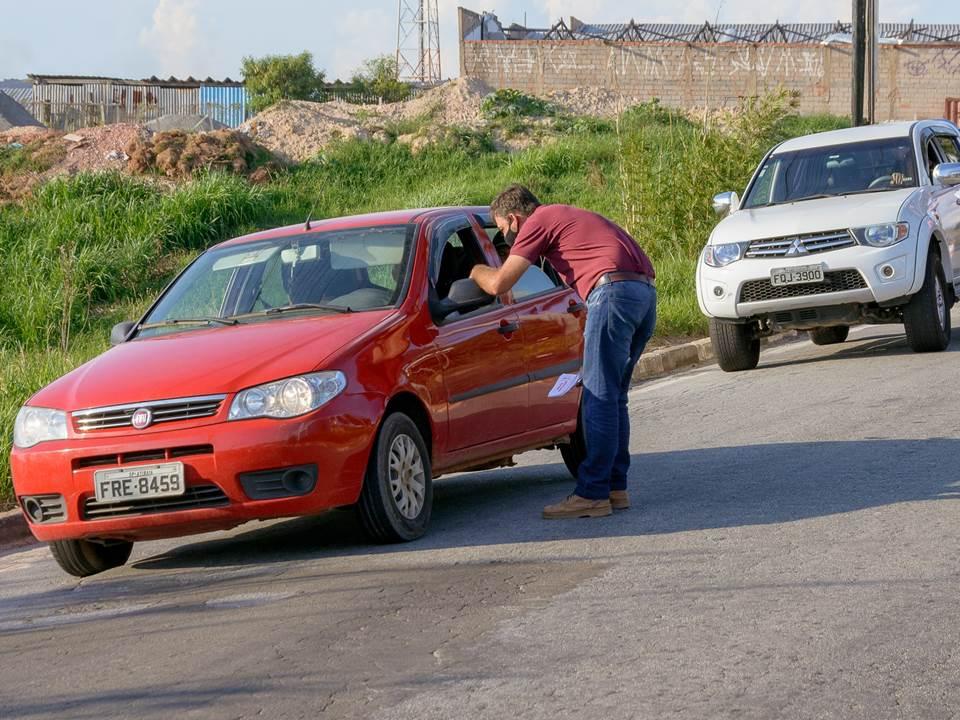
(306, 225)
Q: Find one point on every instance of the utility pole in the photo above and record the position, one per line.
(866, 62)
(418, 41)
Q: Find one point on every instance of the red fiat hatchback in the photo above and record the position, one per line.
(290, 371)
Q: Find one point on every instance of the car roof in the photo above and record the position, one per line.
(881, 131)
(393, 217)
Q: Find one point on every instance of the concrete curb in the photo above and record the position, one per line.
(665, 361)
(14, 530)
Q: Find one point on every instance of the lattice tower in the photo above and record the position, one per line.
(418, 41)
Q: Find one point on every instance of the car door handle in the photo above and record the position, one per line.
(508, 328)
(576, 307)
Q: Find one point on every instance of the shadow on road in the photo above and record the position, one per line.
(676, 492)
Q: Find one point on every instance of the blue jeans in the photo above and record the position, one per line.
(620, 320)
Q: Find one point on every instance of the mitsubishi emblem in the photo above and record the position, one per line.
(797, 248)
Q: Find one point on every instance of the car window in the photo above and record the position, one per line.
(933, 157)
(533, 282)
(454, 253)
(949, 148)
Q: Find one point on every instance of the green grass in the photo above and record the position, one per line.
(88, 251)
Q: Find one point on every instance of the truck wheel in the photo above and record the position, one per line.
(927, 316)
(81, 558)
(829, 335)
(737, 346)
(575, 452)
(397, 495)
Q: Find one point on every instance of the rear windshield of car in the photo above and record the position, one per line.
(352, 270)
(872, 166)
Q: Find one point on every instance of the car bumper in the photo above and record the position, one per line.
(214, 456)
(720, 290)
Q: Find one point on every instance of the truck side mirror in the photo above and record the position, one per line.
(725, 202)
(947, 174)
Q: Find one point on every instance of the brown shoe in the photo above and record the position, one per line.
(577, 507)
(619, 500)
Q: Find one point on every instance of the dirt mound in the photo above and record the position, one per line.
(99, 148)
(456, 102)
(592, 101)
(297, 130)
(179, 154)
(188, 123)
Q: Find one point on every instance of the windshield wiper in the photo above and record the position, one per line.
(297, 306)
(190, 321)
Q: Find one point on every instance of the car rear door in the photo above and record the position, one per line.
(482, 352)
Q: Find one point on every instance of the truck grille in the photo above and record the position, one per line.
(799, 245)
(835, 281)
(118, 416)
(196, 496)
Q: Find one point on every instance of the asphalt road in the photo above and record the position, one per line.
(794, 555)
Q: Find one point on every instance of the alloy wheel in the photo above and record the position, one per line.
(407, 477)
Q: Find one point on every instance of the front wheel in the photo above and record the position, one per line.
(575, 452)
(736, 345)
(926, 317)
(397, 495)
(829, 335)
(81, 558)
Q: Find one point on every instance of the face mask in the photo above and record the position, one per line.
(510, 237)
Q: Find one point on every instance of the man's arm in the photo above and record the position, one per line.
(497, 282)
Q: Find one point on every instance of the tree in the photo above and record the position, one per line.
(273, 78)
(379, 76)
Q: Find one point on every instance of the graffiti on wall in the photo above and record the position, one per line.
(942, 62)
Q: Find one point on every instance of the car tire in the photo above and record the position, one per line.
(82, 558)
(736, 345)
(829, 335)
(397, 496)
(575, 452)
(926, 317)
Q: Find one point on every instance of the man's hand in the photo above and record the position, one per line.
(497, 282)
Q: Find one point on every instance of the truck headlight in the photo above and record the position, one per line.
(882, 235)
(722, 255)
(36, 425)
(288, 398)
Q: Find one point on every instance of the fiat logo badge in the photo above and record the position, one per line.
(141, 418)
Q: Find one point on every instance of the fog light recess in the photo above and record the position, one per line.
(718, 291)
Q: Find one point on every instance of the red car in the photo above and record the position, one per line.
(347, 362)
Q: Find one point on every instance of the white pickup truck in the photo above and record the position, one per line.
(850, 226)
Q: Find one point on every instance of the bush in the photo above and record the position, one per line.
(274, 78)
(513, 103)
(378, 76)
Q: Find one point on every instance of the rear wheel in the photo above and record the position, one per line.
(926, 317)
(81, 558)
(829, 335)
(397, 496)
(736, 345)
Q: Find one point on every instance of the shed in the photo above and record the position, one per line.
(13, 114)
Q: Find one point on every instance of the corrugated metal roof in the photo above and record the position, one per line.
(93, 79)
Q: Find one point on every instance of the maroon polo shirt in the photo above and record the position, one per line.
(580, 245)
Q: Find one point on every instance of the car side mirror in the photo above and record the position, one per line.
(465, 296)
(120, 332)
(725, 202)
(947, 174)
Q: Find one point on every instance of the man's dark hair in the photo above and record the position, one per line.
(515, 199)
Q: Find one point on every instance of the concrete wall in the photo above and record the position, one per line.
(914, 79)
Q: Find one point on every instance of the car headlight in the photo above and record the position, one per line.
(36, 425)
(288, 398)
(722, 255)
(882, 235)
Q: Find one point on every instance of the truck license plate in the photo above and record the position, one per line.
(799, 275)
(139, 482)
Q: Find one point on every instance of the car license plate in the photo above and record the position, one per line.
(798, 275)
(139, 482)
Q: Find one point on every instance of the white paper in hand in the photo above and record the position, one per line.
(565, 383)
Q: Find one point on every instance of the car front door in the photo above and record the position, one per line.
(948, 198)
(481, 352)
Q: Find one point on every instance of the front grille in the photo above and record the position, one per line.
(835, 281)
(196, 496)
(141, 456)
(117, 416)
(799, 245)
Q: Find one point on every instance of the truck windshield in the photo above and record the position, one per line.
(871, 166)
(348, 270)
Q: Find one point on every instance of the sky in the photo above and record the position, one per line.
(142, 38)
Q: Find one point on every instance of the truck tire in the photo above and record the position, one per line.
(397, 496)
(829, 335)
(926, 317)
(736, 345)
(81, 558)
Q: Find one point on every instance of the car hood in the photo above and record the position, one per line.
(207, 361)
(811, 216)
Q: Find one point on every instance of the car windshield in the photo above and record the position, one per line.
(334, 271)
(847, 169)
